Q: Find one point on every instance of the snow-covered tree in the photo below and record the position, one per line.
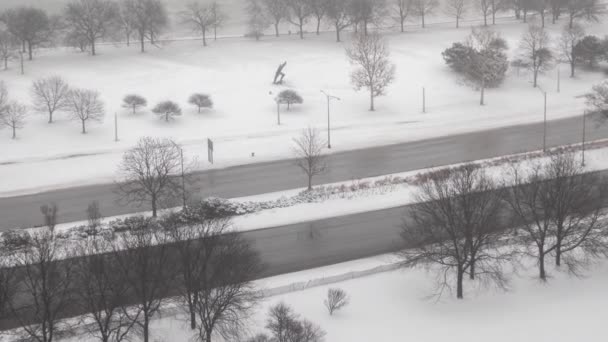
(373, 69)
(424, 8)
(85, 105)
(50, 95)
(148, 18)
(299, 13)
(338, 14)
(12, 115)
(278, 11)
(167, 110)
(318, 8)
(403, 9)
(257, 21)
(289, 97)
(200, 17)
(32, 26)
(535, 51)
(570, 38)
(590, 50)
(8, 47)
(368, 12)
(456, 9)
(597, 99)
(134, 101)
(200, 101)
(91, 19)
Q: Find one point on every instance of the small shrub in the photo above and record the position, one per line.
(133, 102)
(289, 97)
(200, 101)
(336, 300)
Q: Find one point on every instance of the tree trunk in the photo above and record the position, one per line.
(301, 29)
(371, 101)
(29, 50)
(192, 318)
(84, 129)
(485, 19)
(204, 37)
(14, 132)
(153, 200)
(166, 117)
(472, 268)
(318, 25)
(146, 328)
(128, 39)
(482, 100)
(457, 22)
(541, 265)
(5, 63)
(93, 47)
(310, 182)
(337, 33)
(402, 28)
(572, 67)
(535, 78)
(142, 42)
(276, 29)
(459, 280)
(423, 19)
(525, 16)
(50, 117)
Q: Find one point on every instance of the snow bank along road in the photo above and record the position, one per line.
(23, 211)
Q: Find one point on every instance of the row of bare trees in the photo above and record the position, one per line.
(466, 223)
(118, 282)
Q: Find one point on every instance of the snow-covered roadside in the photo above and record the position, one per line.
(393, 306)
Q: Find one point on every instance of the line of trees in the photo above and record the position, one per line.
(119, 282)
(467, 224)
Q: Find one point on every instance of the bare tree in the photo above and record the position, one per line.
(257, 21)
(126, 19)
(309, 155)
(597, 99)
(571, 36)
(583, 9)
(46, 287)
(32, 26)
(403, 8)
(219, 17)
(134, 101)
(454, 229)
(536, 54)
(50, 95)
(318, 8)
(148, 18)
(299, 11)
(13, 116)
(374, 71)
(102, 290)
(495, 7)
(485, 8)
(92, 19)
(200, 101)
(167, 110)
(337, 12)
(542, 8)
(3, 95)
(557, 208)
(336, 300)
(424, 8)
(278, 11)
(286, 326)
(200, 17)
(85, 105)
(148, 171)
(367, 12)
(8, 47)
(143, 259)
(94, 216)
(457, 9)
(226, 294)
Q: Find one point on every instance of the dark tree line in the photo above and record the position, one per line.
(119, 282)
(466, 223)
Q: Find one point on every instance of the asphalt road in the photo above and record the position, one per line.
(23, 211)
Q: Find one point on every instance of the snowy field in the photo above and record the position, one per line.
(394, 306)
(238, 74)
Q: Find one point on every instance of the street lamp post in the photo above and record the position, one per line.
(278, 108)
(329, 98)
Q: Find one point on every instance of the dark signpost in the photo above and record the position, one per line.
(210, 150)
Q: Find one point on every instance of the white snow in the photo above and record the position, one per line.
(394, 306)
(237, 73)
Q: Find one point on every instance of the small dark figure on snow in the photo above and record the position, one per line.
(279, 75)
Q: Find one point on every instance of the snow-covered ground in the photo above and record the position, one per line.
(394, 306)
(238, 73)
